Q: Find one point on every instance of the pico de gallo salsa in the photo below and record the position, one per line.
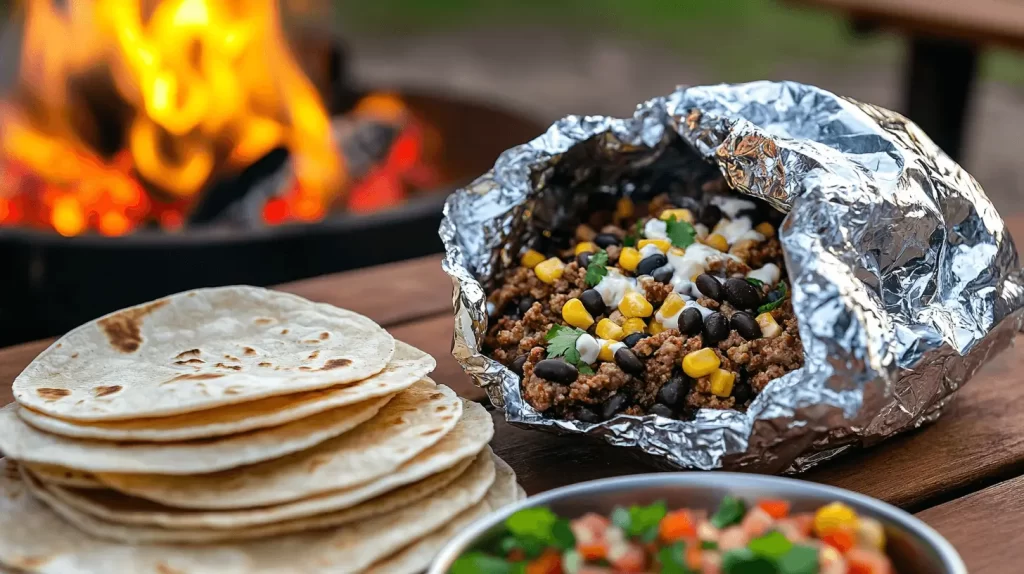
(738, 538)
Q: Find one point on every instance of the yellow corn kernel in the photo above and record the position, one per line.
(701, 363)
(629, 258)
(606, 354)
(655, 328)
(576, 314)
(716, 241)
(549, 270)
(607, 329)
(833, 516)
(673, 304)
(531, 258)
(871, 533)
(624, 208)
(662, 244)
(585, 247)
(765, 229)
(679, 214)
(677, 251)
(634, 304)
(769, 328)
(742, 247)
(634, 325)
(721, 382)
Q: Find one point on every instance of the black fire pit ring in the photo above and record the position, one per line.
(52, 283)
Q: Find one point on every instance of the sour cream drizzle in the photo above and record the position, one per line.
(614, 286)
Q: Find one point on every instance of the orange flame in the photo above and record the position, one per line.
(210, 86)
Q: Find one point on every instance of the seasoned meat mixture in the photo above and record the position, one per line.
(661, 309)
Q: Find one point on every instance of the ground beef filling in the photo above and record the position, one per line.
(641, 368)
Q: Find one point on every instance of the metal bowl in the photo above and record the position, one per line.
(912, 545)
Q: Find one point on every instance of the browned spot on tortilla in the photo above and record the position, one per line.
(103, 390)
(59, 345)
(194, 377)
(190, 362)
(249, 351)
(314, 354)
(324, 336)
(316, 463)
(397, 420)
(430, 432)
(233, 390)
(304, 368)
(188, 353)
(232, 367)
(311, 342)
(74, 355)
(265, 364)
(123, 329)
(264, 321)
(52, 394)
(446, 418)
(232, 358)
(435, 396)
(30, 562)
(441, 409)
(162, 568)
(335, 364)
(284, 331)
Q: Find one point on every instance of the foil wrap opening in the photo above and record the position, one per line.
(904, 278)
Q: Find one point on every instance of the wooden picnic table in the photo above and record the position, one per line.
(964, 475)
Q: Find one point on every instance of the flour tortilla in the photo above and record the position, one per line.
(198, 350)
(414, 421)
(64, 476)
(417, 556)
(64, 549)
(135, 534)
(408, 365)
(21, 441)
(98, 526)
(470, 435)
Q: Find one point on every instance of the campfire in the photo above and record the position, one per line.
(127, 113)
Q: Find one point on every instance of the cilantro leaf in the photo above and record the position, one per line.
(673, 559)
(782, 292)
(562, 343)
(730, 511)
(755, 282)
(480, 563)
(536, 522)
(772, 545)
(799, 560)
(562, 534)
(708, 545)
(744, 561)
(620, 517)
(584, 369)
(597, 268)
(634, 236)
(643, 518)
(680, 233)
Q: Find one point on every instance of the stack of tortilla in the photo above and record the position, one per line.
(238, 430)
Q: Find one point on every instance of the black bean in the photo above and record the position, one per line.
(614, 404)
(556, 370)
(691, 322)
(741, 293)
(583, 259)
(628, 362)
(663, 274)
(742, 392)
(605, 240)
(648, 264)
(525, 303)
(587, 415)
(745, 325)
(632, 339)
(517, 365)
(592, 302)
(716, 328)
(662, 411)
(710, 215)
(709, 286)
(673, 393)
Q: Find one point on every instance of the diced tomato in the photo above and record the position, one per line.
(593, 551)
(676, 526)
(791, 530)
(756, 522)
(693, 556)
(842, 539)
(589, 528)
(862, 561)
(634, 559)
(550, 562)
(711, 563)
(804, 522)
(775, 508)
(516, 555)
(732, 538)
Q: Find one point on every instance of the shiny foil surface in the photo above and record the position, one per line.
(904, 278)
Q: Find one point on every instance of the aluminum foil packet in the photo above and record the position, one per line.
(904, 278)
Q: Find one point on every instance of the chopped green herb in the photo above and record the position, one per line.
(508, 544)
(536, 522)
(755, 282)
(480, 563)
(708, 545)
(563, 537)
(643, 518)
(562, 343)
(782, 292)
(597, 268)
(673, 559)
(800, 559)
(634, 236)
(651, 534)
(620, 517)
(584, 369)
(729, 512)
(680, 233)
(771, 545)
(744, 561)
